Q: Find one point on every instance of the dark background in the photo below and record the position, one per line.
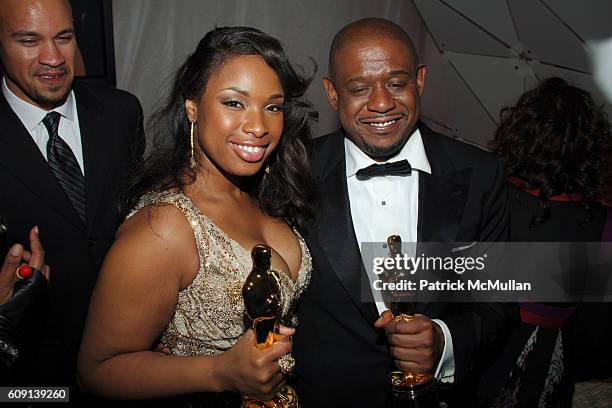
(93, 21)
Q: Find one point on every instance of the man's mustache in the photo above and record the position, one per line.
(52, 71)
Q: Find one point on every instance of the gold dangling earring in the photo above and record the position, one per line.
(192, 162)
(267, 169)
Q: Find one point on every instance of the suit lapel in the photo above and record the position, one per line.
(442, 194)
(335, 228)
(441, 202)
(94, 150)
(21, 157)
(442, 197)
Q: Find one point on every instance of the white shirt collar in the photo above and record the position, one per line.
(413, 151)
(31, 115)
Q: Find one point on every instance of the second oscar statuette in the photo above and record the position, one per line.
(409, 390)
(263, 304)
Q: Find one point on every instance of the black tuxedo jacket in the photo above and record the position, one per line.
(112, 136)
(341, 358)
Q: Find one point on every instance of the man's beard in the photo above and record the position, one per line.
(54, 100)
(54, 96)
(386, 152)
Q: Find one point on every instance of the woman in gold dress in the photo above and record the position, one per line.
(228, 170)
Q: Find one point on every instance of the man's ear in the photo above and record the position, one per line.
(191, 108)
(421, 72)
(330, 90)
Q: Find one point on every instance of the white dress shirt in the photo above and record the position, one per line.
(31, 116)
(389, 205)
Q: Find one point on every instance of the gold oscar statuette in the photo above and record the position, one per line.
(263, 304)
(408, 389)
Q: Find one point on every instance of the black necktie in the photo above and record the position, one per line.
(64, 165)
(399, 168)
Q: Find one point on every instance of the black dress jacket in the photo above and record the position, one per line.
(112, 137)
(341, 358)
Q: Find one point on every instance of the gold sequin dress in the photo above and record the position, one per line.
(209, 316)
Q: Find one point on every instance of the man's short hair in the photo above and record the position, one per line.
(369, 27)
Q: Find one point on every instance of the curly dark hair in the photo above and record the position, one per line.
(287, 192)
(558, 140)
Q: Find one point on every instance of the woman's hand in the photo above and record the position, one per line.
(251, 371)
(16, 256)
(22, 301)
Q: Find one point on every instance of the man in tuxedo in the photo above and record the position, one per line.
(64, 150)
(437, 190)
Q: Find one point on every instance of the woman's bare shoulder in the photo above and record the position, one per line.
(158, 237)
(157, 222)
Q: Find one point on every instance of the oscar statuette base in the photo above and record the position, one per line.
(285, 398)
(410, 390)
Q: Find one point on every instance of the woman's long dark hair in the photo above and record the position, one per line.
(558, 140)
(287, 191)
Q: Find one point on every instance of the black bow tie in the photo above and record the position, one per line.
(399, 168)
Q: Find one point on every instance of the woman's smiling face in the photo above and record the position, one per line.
(239, 118)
